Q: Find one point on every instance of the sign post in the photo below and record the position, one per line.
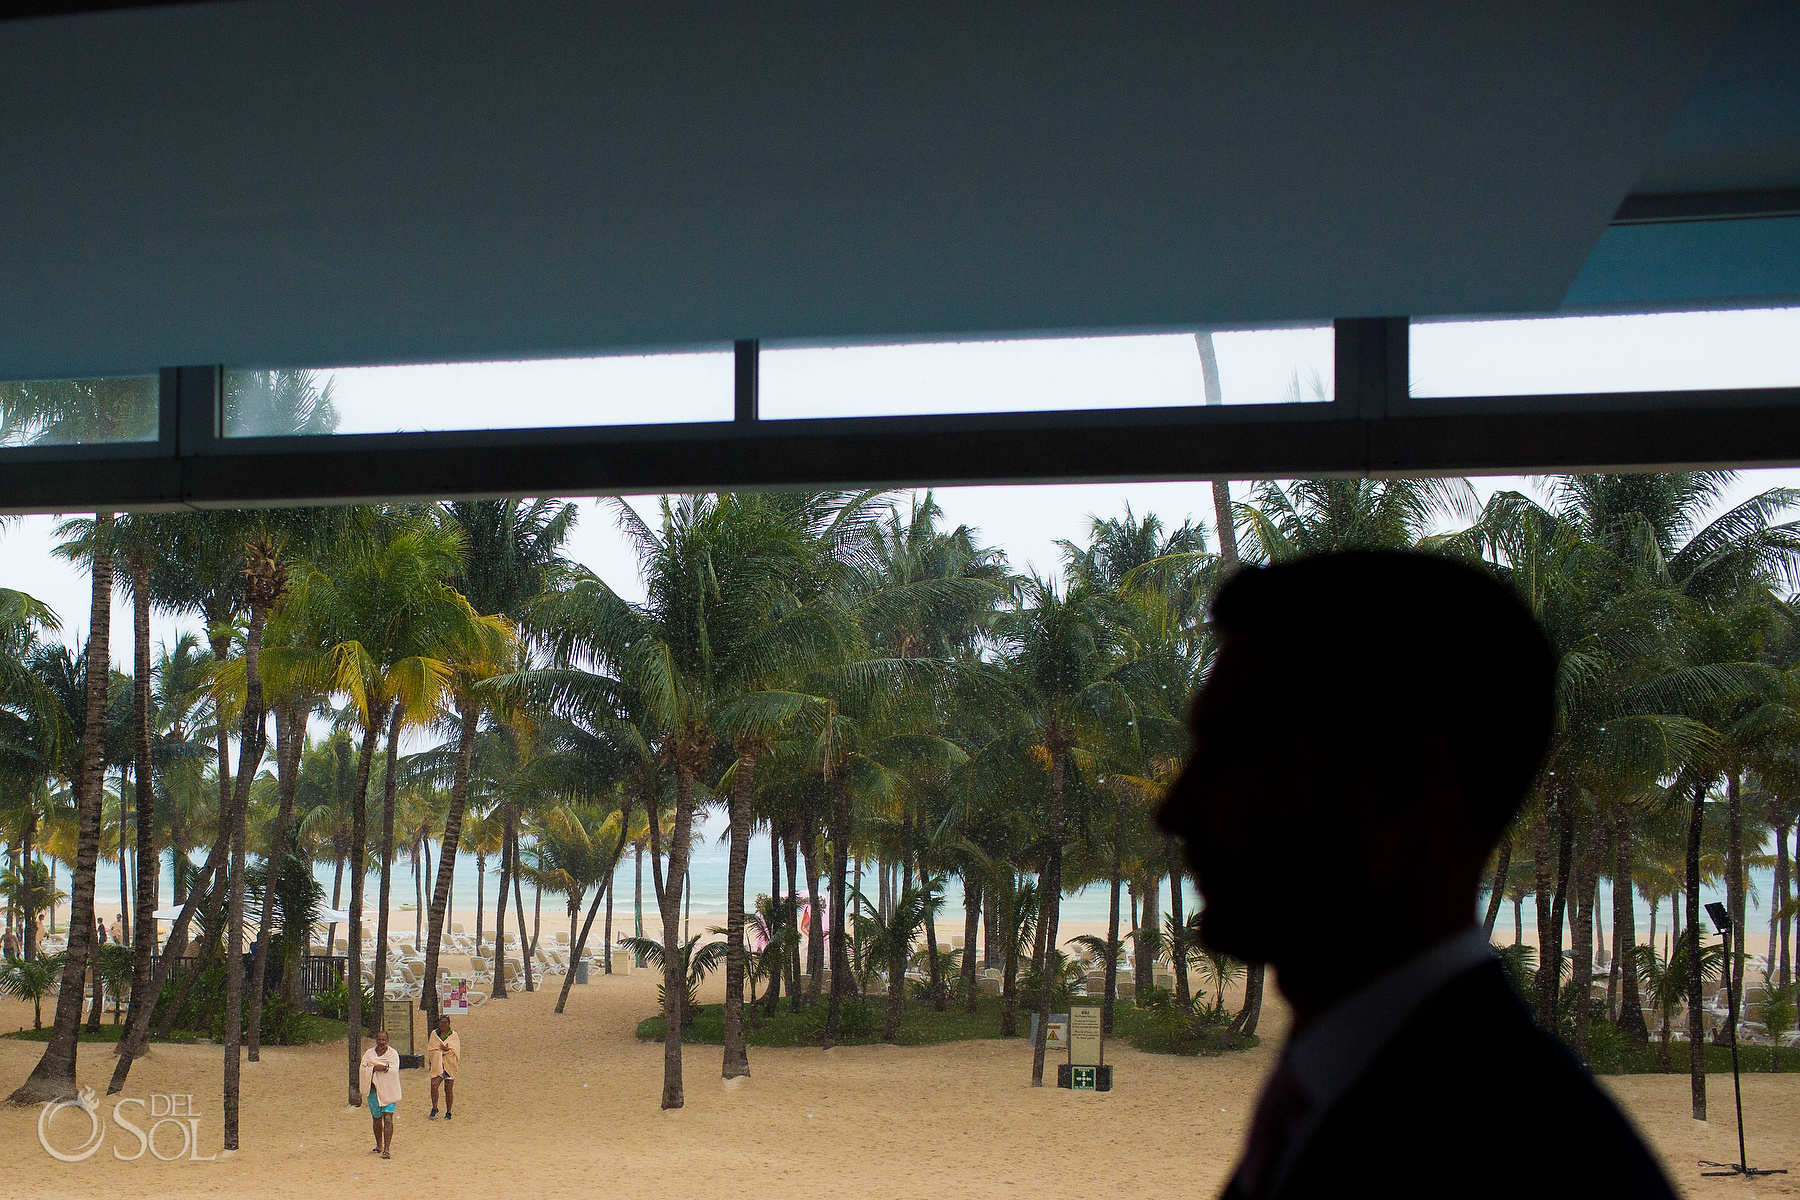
(397, 1019)
(455, 997)
(1086, 1070)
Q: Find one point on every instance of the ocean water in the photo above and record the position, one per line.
(710, 863)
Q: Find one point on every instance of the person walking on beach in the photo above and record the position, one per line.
(9, 945)
(379, 1080)
(443, 1060)
(1365, 735)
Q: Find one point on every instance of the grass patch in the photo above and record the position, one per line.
(316, 1029)
(920, 1025)
(1648, 1061)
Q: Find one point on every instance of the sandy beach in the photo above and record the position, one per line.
(567, 1106)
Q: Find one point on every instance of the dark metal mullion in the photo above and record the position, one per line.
(746, 381)
(200, 401)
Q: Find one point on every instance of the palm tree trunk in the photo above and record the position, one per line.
(637, 899)
(1052, 904)
(772, 994)
(840, 911)
(1008, 906)
(537, 915)
(389, 782)
(149, 868)
(54, 1076)
(25, 863)
(252, 740)
(1178, 927)
(1777, 893)
(359, 841)
(420, 850)
(737, 1057)
(480, 896)
(934, 981)
(674, 985)
(1251, 1013)
(1785, 869)
(990, 924)
(133, 1041)
(337, 882)
(1559, 902)
(1696, 1020)
(1582, 977)
(499, 989)
(290, 739)
(972, 897)
(519, 908)
(1110, 993)
(790, 855)
(815, 937)
(606, 951)
(1631, 1009)
(1147, 926)
(1543, 893)
(124, 913)
(1497, 889)
(605, 889)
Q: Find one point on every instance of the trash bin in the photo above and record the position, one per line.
(581, 970)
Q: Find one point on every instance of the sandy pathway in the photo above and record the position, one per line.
(867, 1122)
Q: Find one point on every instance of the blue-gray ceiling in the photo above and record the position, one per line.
(284, 182)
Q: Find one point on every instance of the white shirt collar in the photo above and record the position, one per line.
(1329, 1056)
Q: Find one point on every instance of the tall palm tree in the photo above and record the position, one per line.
(1061, 648)
(380, 618)
(54, 1076)
(512, 554)
(265, 584)
(700, 652)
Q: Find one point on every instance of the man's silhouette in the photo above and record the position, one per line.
(1367, 731)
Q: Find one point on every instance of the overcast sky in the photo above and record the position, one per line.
(1716, 349)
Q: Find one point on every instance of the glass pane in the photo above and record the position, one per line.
(643, 389)
(74, 412)
(1162, 370)
(1636, 352)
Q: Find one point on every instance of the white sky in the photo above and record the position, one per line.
(1686, 350)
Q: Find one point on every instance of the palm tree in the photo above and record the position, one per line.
(512, 554)
(700, 653)
(692, 964)
(265, 583)
(1061, 649)
(34, 735)
(54, 1076)
(31, 979)
(887, 941)
(379, 619)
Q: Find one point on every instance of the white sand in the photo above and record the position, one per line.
(874, 1122)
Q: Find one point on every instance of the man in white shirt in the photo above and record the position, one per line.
(1368, 730)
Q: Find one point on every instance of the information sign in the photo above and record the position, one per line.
(1084, 1035)
(397, 1019)
(455, 997)
(1082, 1079)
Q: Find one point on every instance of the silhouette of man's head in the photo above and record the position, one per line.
(1366, 732)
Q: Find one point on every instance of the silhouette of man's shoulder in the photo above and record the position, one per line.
(1471, 1098)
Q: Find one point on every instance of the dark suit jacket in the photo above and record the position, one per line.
(1471, 1098)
